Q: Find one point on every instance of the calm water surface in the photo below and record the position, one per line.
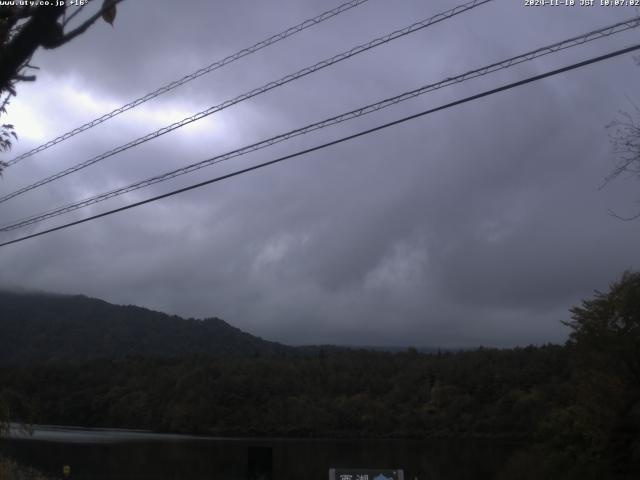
(101, 454)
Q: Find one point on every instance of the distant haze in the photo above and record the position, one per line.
(481, 224)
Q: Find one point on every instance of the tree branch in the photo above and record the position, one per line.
(626, 219)
(25, 78)
(68, 19)
(38, 30)
(84, 26)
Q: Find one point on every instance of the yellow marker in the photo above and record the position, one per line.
(66, 471)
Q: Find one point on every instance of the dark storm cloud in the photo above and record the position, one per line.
(481, 224)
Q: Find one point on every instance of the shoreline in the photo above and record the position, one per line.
(64, 433)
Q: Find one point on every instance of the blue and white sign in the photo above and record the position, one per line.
(364, 474)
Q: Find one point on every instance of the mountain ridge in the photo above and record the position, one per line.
(44, 327)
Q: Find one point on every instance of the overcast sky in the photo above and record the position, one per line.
(481, 224)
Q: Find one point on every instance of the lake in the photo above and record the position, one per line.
(103, 454)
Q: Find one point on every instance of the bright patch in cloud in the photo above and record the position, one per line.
(23, 115)
(38, 119)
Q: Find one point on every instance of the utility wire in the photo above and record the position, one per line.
(265, 88)
(192, 76)
(335, 142)
(504, 64)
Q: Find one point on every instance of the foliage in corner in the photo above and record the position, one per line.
(23, 29)
(603, 422)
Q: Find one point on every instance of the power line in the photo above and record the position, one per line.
(542, 51)
(257, 91)
(334, 142)
(192, 76)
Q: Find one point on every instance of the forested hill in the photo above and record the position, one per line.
(36, 327)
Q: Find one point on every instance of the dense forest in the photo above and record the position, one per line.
(576, 406)
(358, 393)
